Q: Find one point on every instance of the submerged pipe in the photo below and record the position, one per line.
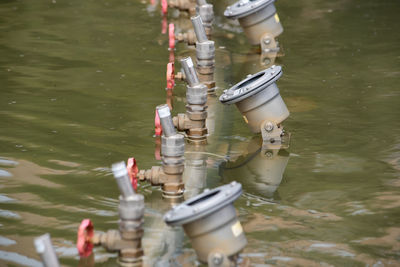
(121, 176)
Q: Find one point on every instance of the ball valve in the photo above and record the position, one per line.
(259, 21)
(258, 99)
(211, 223)
(46, 251)
(205, 55)
(127, 241)
(169, 175)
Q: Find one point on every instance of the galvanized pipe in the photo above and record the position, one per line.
(121, 176)
(166, 120)
(199, 29)
(46, 251)
(190, 72)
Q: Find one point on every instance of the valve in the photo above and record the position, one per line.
(171, 36)
(84, 242)
(170, 76)
(132, 172)
(164, 6)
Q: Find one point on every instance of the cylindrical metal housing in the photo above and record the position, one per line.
(121, 176)
(257, 98)
(256, 18)
(210, 221)
(46, 251)
(166, 120)
(199, 29)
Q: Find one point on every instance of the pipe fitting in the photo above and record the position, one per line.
(206, 13)
(210, 221)
(257, 17)
(205, 55)
(193, 122)
(169, 175)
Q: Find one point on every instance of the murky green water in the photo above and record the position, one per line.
(79, 84)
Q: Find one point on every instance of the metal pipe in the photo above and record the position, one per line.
(190, 72)
(46, 251)
(166, 120)
(121, 176)
(199, 29)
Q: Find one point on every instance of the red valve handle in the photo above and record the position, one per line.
(171, 36)
(164, 24)
(132, 172)
(170, 76)
(157, 123)
(164, 6)
(84, 241)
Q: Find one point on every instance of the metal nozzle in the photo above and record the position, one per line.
(199, 29)
(190, 72)
(46, 251)
(166, 120)
(121, 175)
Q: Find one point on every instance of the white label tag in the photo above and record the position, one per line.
(237, 229)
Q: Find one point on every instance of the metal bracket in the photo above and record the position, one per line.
(269, 50)
(274, 136)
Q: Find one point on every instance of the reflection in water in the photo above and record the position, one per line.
(259, 170)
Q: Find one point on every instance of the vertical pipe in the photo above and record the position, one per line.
(121, 176)
(46, 251)
(166, 120)
(190, 72)
(199, 29)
